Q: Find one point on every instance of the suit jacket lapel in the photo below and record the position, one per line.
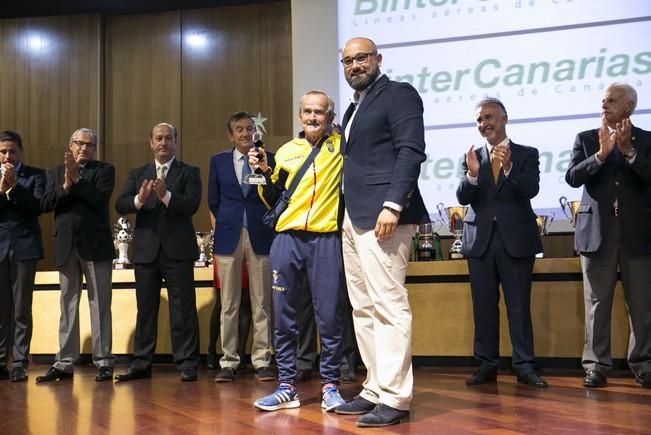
(373, 92)
(172, 172)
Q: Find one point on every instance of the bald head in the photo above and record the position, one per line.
(361, 63)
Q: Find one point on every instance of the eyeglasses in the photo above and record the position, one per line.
(81, 143)
(360, 58)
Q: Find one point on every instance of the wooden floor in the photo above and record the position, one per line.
(442, 405)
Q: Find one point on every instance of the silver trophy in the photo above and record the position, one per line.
(204, 242)
(122, 235)
(573, 206)
(543, 221)
(256, 178)
(454, 217)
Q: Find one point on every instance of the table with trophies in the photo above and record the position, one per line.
(439, 292)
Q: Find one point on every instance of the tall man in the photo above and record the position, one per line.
(21, 189)
(383, 149)
(164, 195)
(613, 230)
(307, 244)
(79, 191)
(500, 239)
(241, 236)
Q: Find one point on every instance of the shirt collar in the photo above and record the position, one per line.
(168, 164)
(490, 147)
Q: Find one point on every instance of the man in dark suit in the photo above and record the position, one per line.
(21, 189)
(383, 148)
(241, 236)
(500, 239)
(613, 230)
(164, 195)
(79, 191)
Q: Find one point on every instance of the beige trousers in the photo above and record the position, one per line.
(375, 276)
(229, 269)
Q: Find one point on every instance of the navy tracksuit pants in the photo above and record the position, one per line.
(317, 256)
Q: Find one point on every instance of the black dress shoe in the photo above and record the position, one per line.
(303, 376)
(104, 373)
(594, 379)
(212, 360)
(133, 374)
(532, 379)
(482, 377)
(53, 374)
(189, 374)
(357, 406)
(644, 379)
(18, 374)
(4, 373)
(382, 415)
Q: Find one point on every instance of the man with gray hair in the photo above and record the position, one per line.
(613, 231)
(78, 191)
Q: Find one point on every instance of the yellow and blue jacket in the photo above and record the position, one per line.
(314, 206)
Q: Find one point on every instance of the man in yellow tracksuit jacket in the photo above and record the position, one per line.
(308, 244)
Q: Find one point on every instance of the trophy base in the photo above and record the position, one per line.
(201, 263)
(255, 180)
(456, 256)
(121, 266)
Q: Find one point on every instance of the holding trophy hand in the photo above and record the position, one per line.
(257, 159)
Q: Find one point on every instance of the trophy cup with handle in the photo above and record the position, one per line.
(204, 241)
(454, 217)
(573, 206)
(543, 221)
(122, 236)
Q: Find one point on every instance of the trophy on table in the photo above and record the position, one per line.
(454, 217)
(122, 235)
(572, 205)
(256, 178)
(543, 221)
(204, 242)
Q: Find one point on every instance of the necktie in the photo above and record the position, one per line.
(162, 171)
(246, 170)
(495, 166)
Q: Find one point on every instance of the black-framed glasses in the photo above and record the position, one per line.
(81, 143)
(360, 58)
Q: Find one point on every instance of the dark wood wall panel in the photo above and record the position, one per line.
(49, 86)
(122, 74)
(142, 86)
(231, 67)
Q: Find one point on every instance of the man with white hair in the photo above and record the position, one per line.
(78, 191)
(613, 232)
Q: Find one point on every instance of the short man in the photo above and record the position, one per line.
(500, 239)
(164, 195)
(307, 244)
(79, 191)
(241, 236)
(21, 189)
(384, 147)
(613, 230)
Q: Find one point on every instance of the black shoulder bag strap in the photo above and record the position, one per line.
(301, 172)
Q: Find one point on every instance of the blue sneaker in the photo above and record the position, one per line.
(331, 398)
(284, 397)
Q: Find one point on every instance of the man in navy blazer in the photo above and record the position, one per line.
(383, 149)
(21, 189)
(500, 239)
(613, 231)
(241, 236)
(164, 195)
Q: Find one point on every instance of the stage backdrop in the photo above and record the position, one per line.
(548, 61)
